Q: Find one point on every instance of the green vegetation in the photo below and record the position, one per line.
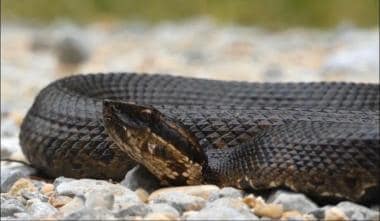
(269, 13)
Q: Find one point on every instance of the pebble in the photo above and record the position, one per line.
(357, 212)
(13, 171)
(142, 194)
(134, 210)
(163, 208)
(293, 201)
(269, 210)
(10, 206)
(224, 192)
(21, 185)
(59, 201)
(38, 209)
(90, 214)
(160, 216)
(204, 191)
(222, 213)
(140, 177)
(234, 203)
(181, 201)
(335, 214)
(71, 51)
(292, 215)
(47, 188)
(74, 205)
(99, 199)
(123, 197)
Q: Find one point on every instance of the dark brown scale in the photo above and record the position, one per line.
(306, 136)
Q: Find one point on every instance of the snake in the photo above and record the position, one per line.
(317, 138)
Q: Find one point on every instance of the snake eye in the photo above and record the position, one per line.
(146, 114)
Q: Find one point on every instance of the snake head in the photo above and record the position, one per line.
(156, 141)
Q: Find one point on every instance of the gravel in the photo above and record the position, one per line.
(293, 201)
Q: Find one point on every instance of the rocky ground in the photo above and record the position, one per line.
(33, 56)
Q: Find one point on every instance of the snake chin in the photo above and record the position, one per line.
(165, 148)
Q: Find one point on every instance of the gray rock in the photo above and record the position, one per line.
(140, 177)
(90, 214)
(99, 199)
(320, 212)
(293, 201)
(38, 209)
(229, 202)
(135, 210)
(27, 195)
(163, 208)
(225, 192)
(11, 172)
(358, 212)
(62, 179)
(71, 51)
(180, 201)
(75, 205)
(10, 206)
(123, 197)
(222, 213)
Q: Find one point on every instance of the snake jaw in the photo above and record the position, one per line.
(163, 146)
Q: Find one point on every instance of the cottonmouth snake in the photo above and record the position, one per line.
(317, 138)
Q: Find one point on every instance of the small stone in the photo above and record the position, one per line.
(320, 212)
(135, 210)
(76, 204)
(99, 199)
(292, 215)
(142, 194)
(13, 171)
(189, 213)
(47, 188)
(123, 197)
(59, 201)
(250, 200)
(222, 213)
(293, 201)
(203, 191)
(10, 206)
(90, 214)
(21, 185)
(62, 179)
(357, 212)
(71, 51)
(140, 177)
(163, 208)
(34, 195)
(39, 209)
(181, 201)
(224, 192)
(335, 214)
(160, 216)
(229, 202)
(269, 210)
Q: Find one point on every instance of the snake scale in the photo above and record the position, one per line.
(318, 138)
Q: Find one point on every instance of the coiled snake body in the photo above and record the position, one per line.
(317, 138)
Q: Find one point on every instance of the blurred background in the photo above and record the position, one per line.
(272, 40)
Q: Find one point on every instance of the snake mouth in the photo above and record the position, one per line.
(154, 140)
